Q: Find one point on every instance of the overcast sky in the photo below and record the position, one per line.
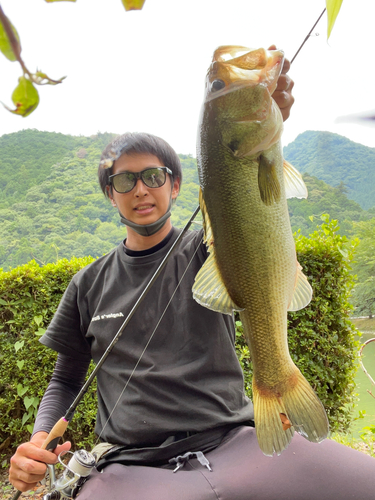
(145, 70)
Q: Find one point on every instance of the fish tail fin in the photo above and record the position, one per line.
(279, 413)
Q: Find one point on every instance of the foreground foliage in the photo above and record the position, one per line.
(25, 96)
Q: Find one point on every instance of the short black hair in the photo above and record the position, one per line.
(133, 143)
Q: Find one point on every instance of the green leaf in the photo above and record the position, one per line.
(40, 332)
(25, 97)
(3, 302)
(21, 390)
(5, 45)
(25, 418)
(18, 345)
(28, 402)
(344, 253)
(38, 319)
(333, 8)
(20, 364)
(30, 427)
(133, 4)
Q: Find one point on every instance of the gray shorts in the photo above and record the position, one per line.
(240, 471)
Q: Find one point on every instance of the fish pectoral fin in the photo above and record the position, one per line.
(294, 184)
(208, 236)
(209, 290)
(303, 292)
(269, 185)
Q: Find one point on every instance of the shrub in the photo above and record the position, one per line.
(29, 296)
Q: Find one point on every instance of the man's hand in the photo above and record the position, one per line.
(28, 464)
(283, 93)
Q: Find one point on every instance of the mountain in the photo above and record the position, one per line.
(337, 161)
(27, 157)
(51, 206)
(325, 199)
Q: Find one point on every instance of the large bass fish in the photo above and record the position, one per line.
(252, 265)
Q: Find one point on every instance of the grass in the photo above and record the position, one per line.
(365, 444)
(364, 324)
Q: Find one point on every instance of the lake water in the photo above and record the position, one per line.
(366, 402)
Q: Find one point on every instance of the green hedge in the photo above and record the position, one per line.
(29, 296)
(321, 338)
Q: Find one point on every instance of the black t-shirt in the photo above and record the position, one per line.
(188, 378)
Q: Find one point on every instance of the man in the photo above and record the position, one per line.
(185, 408)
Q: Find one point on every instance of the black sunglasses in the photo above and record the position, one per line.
(152, 177)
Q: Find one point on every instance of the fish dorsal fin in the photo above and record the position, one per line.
(294, 185)
(209, 289)
(302, 294)
(269, 185)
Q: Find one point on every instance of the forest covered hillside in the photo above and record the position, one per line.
(27, 157)
(337, 161)
(51, 205)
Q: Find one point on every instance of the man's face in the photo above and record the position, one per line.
(142, 205)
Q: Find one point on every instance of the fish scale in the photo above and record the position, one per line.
(252, 265)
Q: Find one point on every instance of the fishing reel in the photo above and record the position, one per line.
(74, 475)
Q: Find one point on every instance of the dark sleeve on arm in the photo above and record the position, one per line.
(66, 333)
(67, 379)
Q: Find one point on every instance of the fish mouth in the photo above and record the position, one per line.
(235, 67)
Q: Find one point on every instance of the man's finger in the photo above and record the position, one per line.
(285, 83)
(286, 66)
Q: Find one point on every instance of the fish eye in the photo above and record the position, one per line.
(217, 85)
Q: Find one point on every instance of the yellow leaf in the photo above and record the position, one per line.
(333, 8)
(133, 4)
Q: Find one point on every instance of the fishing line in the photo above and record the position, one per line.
(148, 342)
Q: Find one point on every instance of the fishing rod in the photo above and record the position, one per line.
(59, 428)
(307, 36)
